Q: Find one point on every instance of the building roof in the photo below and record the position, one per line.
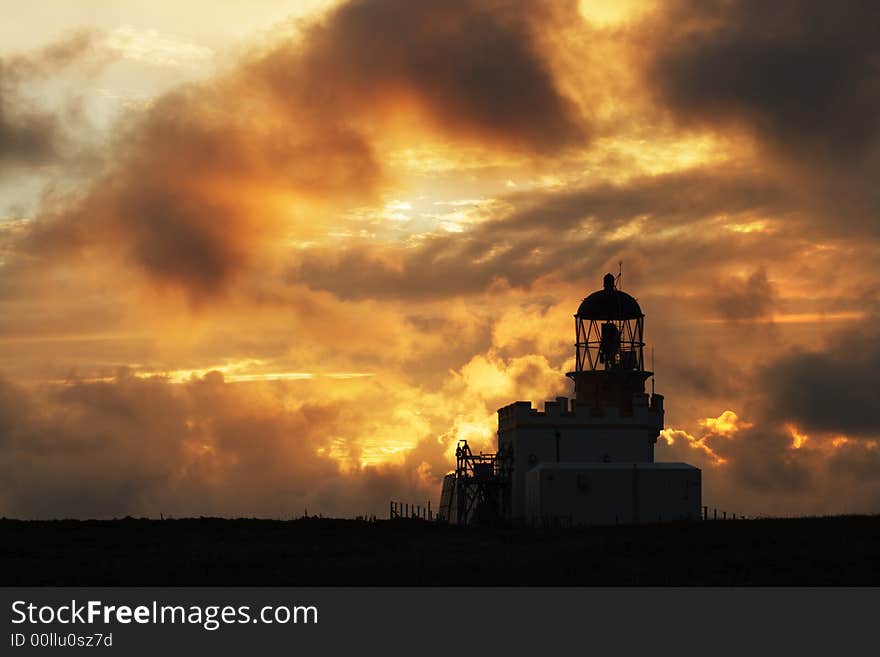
(614, 465)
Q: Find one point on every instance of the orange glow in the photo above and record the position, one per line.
(700, 443)
(798, 439)
(758, 226)
(725, 424)
(794, 318)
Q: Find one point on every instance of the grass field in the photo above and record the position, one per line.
(841, 550)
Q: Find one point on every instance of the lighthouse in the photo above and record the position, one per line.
(586, 460)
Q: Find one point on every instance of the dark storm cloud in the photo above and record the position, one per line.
(763, 473)
(803, 74)
(670, 199)
(831, 390)
(184, 200)
(762, 459)
(27, 137)
(766, 475)
(31, 135)
(827, 398)
(853, 459)
(747, 298)
(474, 68)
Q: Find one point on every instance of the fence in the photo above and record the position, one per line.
(723, 515)
(413, 511)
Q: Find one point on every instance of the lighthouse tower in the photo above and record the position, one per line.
(590, 460)
(587, 460)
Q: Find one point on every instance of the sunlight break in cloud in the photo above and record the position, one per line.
(152, 47)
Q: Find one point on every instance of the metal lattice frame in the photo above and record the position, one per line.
(479, 485)
(589, 343)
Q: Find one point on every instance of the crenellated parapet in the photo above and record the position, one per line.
(646, 411)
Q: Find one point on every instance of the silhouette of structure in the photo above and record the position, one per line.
(476, 490)
(587, 460)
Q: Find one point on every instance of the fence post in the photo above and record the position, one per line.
(714, 514)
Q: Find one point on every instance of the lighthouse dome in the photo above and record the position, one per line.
(609, 303)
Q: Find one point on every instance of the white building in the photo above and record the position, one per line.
(587, 460)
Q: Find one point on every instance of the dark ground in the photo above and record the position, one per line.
(843, 550)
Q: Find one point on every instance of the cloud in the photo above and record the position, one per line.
(752, 297)
(147, 446)
(829, 390)
(253, 221)
(196, 190)
(802, 75)
(31, 135)
(142, 445)
(799, 77)
(473, 69)
(758, 469)
(550, 233)
(214, 173)
(26, 137)
(808, 442)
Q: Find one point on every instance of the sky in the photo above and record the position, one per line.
(265, 258)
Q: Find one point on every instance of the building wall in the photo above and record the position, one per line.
(447, 510)
(611, 493)
(527, 438)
